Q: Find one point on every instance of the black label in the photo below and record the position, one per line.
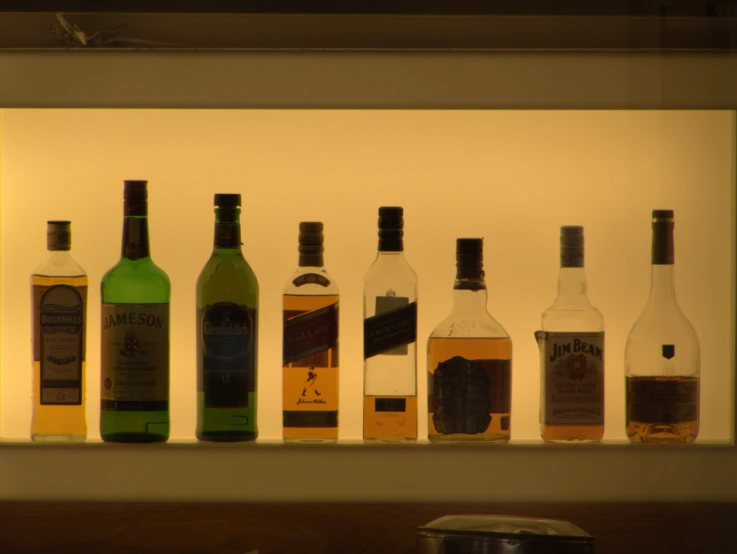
(227, 236)
(390, 404)
(135, 405)
(388, 330)
(668, 351)
(664, 400)
(294, 418)
(464, 393)
(226, 354)
(310, 333)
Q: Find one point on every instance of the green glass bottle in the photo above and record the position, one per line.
(134, 382)
(227, 334)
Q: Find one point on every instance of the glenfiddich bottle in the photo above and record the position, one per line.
(469, 361)
(310, 345)
(662, 356)
(571, 353)
(227, 334)
(59, 295)
(390, 337)
(134, 379)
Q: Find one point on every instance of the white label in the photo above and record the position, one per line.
(574, 378)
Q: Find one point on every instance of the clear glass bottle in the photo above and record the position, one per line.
(227, 334)
(469, 361)
(571, 344)
(390, 337)
(310, 345)
(662, 355)
(59, 296)
(134, 381)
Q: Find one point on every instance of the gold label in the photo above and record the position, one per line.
(135, 357)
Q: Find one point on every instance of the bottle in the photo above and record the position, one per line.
(390, 337)
(227, 334)
(134, 381)
(571, 353)
(310, 345)
(662, 357)
(59, 295)
(469, 361)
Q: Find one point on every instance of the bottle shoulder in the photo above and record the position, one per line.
(59, 267)
(481, 325)
(390, 265)
(572, 318)
(134, 281)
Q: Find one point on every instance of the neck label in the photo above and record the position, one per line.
(392, 329)
(227, 235)
(573, 366)
(311, 279)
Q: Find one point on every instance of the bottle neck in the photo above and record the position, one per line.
(390, 240)
(469, 295)
(59, 257)
(135, 237)
(311, 260)
(227, 230)
(572, 287)
(662, 284)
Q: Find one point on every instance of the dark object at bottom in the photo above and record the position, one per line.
(494, 534)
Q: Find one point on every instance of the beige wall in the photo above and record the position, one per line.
(512, 177)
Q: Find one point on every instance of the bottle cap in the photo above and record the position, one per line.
(571, 246)
(227, 200)
(662, 214)
(135, 197)
(469, 249)
(391, 225)
(59, 235)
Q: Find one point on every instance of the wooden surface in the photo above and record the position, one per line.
(82, 528)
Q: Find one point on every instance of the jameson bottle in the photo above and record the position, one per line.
(227, 334)
(59, 296)
(134, 381)
(469, 361)
(390, 337)
(571, 353)
(662, 357)
(310, 345)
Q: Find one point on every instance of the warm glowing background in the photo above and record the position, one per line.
(512, 177)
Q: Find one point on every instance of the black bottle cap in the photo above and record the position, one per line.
(662, 214)
(310, 243)
(469, 264)
(135, 197)
(469, 249)
(227, 200)
(391, 225)
(571, 246)
(59, 235)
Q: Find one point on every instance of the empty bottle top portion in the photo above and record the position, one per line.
(663, 251)
(470, 259)
(311, 244)
(59, 235)
(227, 200)
(391, 225)
(135, 198)
(571, 246)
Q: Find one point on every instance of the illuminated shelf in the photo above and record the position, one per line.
(271, 471)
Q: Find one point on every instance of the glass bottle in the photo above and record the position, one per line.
(134, 382)
(59, 295)
(571, 344)
(662, 356)
(310, 345)
(390, 337)
(227, 334)
(469, 361)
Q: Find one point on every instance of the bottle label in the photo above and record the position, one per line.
(392, 328)
(310, 333)
(60, 342)
(573, 368)
(390, 405)
(465, 393)
(311, 279)
(227, 236)
(227, 335)
(135, 357)
(662, 399)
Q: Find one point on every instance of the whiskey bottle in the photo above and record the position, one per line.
(310, 345)
(571, 353)
(59, 295)
(134, 381)
(390, 337)
(469, 361)
(662, 357)
(227, 334)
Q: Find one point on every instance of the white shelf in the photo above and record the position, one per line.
(356, 472)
